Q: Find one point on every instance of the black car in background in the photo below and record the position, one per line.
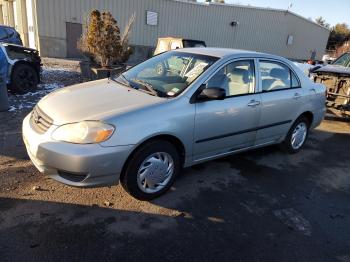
(9, 35)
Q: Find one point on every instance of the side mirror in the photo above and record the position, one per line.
(212, 93)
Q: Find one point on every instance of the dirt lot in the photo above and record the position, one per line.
(258, 206)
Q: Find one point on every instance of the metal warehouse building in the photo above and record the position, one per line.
(53, 26)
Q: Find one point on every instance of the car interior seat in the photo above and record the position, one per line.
(239, 81)
(279, 79)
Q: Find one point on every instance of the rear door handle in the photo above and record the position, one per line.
(297, 96)
(253, 103)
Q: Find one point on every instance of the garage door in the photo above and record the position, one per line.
(74, 31)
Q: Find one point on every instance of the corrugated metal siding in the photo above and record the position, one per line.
(259, 29)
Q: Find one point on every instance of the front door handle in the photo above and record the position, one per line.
(297, 96)
(253, 103)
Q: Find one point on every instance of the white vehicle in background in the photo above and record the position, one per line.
(327, 59)
(305, 67)
(171, 43)
(308, 69)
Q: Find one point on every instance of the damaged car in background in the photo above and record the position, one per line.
(24, 67)
(336, 77)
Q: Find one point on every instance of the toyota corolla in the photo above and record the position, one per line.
(175, 110)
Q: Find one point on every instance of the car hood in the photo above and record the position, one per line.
(96, 100)
(334, 69)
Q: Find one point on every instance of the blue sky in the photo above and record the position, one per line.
(334, 11)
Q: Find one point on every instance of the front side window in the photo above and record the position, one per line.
(276, 76)
(167, 74)
(236, 78)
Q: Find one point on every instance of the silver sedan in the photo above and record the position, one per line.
(174, 110)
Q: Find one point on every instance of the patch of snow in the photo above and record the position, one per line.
(12, 108)
(294, 220)
(52, 79)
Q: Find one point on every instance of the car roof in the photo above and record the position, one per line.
(225, 52)
(220, 52)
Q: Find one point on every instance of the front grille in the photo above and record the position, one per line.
(72, 176)
(39, 121)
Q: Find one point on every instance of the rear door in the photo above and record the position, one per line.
(281, 98)
(223, 126)
(74, 31)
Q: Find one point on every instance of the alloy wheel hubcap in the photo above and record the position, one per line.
(155, 172)
(299, 135)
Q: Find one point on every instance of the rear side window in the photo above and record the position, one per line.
(276, 76)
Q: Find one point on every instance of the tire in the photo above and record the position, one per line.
(146, 160)
(24, 79)
(287, 144)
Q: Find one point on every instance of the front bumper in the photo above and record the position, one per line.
(74, 164)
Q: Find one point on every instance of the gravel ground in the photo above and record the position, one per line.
(262, 205)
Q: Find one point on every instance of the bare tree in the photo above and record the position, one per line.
(101, 40)
(321, 21)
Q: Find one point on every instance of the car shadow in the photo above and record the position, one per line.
(219, 210)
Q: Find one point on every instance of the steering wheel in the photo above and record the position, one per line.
(160, 69)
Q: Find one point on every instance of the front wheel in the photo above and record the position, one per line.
(296, 136)
(151, 170)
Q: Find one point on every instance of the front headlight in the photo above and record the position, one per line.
(85, 132)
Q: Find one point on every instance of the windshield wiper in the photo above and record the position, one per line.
(121, 79)
(149, 88)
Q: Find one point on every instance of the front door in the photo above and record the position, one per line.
(281, 98)
(74, 31)
(222, 126)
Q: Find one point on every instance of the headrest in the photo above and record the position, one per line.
(239, 75)
(279, 73)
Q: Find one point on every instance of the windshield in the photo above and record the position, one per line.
(167, 74)
(343, 60)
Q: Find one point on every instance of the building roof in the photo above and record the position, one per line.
(285, 11)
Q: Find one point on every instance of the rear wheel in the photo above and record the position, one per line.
(151, 170)
(24, 79)
(297, 136)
